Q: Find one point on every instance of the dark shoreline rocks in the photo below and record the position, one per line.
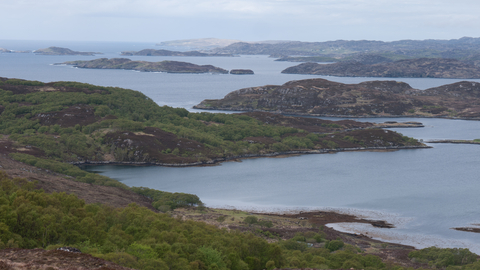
(455, 141)
(233, 158)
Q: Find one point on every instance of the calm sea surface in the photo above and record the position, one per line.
(424, 192)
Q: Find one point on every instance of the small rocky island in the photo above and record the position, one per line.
(321, 97)
(163, 66)
(62, 51)
(152, 52)
(410, 68)
(3, 50)
(242, 72)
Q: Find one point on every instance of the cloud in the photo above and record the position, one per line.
(251, 19)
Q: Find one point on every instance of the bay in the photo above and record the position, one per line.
(424, 192)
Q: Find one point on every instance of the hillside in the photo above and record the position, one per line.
(411, 68)
(163, 66)
(375, 98)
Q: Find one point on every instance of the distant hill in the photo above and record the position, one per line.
(62, 51)
(200, 43)
(152, 52)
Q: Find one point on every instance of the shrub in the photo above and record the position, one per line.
(251, 220)
(443, 257)
(334, 245)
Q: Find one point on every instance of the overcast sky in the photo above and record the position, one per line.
(248, 20)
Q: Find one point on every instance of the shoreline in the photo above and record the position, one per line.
(454, 141)
(341, 116)
(216, 161)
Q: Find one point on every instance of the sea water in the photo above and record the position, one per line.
(424, 192)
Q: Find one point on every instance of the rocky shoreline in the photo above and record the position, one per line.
(454, 141)
(235, 158)
(200, 107)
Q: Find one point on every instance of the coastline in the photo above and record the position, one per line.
(216, 161)
(454, 141)
(340, 116)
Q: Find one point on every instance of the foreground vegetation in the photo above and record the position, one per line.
(140, 238)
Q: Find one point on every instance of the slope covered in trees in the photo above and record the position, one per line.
(139, 238)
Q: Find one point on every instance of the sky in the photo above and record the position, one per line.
(246, 20)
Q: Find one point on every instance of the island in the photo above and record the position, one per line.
(163, 66)
(152, 52)
(3, 50)
(320, 97)
(242, 72)
(410, 68)
(62, 51)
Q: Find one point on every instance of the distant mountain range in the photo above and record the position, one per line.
(395, 50)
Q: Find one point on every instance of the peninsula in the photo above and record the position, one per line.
(410, 68)
(321, 97)
(62, 51)
(82, 123)
(163, 66)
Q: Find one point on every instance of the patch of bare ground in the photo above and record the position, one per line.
(286, 226)
(309, 124)
(20, 259)
(54, 182)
